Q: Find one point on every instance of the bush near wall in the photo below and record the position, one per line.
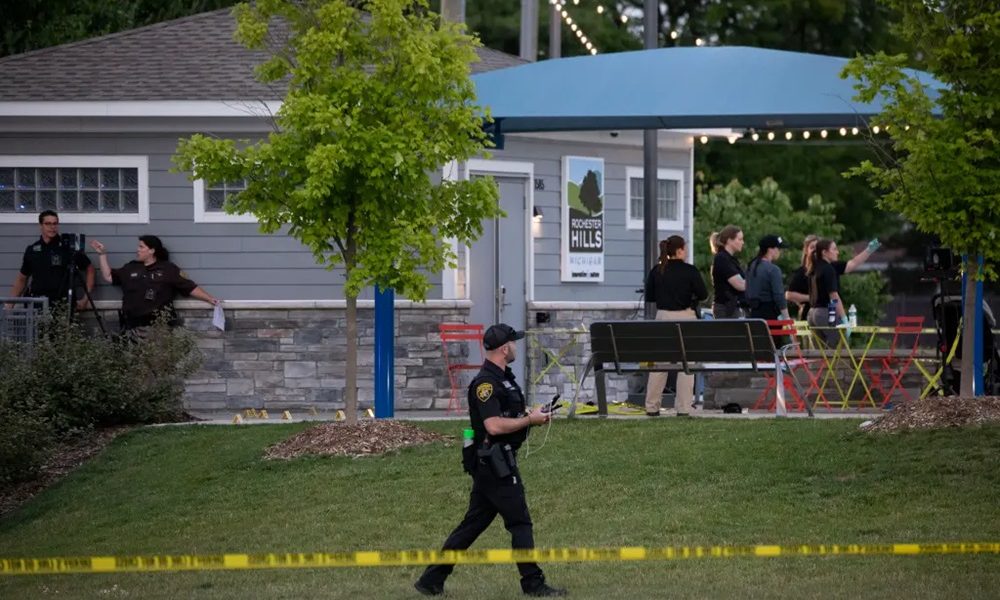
(70, 382)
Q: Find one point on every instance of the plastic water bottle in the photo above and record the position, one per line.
(852, 316)
(467, 436)
(831, 317)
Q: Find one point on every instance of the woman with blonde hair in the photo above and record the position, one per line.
(728, 277)
(676, 287)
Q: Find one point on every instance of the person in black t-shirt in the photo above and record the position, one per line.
(45, 267)
(728, 277)
(798, 283)
(676, 287)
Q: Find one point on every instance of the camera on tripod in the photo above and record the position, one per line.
(940, 262)
(74, 241)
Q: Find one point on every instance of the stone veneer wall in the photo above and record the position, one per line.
(291, 355)
(567, 331)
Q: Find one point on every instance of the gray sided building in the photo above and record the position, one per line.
(89, 129)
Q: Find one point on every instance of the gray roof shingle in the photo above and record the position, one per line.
(192, 58)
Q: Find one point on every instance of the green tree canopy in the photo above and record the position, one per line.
(590, 194)
(942, 171)
(378, 100)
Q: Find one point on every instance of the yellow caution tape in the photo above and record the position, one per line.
(406, 558)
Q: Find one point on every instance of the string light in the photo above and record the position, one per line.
(755, 136)
(788, 135)
(822, 134)
(704, 139)
(699, 42)
(875, 130)
(674, 35)
(624, 18)
(574, 26)
(854, 131)
(805, 135)
(733, 138)
(770, 135)
(600, 9)
(843, 131)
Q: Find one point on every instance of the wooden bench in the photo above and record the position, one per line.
(689, 346)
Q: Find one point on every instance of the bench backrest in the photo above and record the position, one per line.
(682, 342)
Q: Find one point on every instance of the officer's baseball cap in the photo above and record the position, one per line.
(772, 241)
(499, 334)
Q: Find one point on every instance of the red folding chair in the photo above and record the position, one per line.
(779, 329)
(460, 335)
(894, 366)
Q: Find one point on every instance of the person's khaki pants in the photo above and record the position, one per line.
(657, 379)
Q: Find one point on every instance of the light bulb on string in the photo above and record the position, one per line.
(755, 136)
(624, 18)
(593, 51)
(733, 138)
(699, 42)
(583, 39)
(576, 2)
(805, 135)
(854, 131)
(569, 20)
(573, 27)
(788, 135)
(600, 9)
(823, 134)
(704, 139)
(843, 131)
(875, 130)
(770, 135)
(564, 14)
(674, 35)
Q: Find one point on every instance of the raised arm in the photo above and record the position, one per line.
(102, 258)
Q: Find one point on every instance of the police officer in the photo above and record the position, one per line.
(46, 264)
(500, 424)
(149, 283)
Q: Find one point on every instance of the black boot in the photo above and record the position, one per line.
(428, 589)
(543, 590)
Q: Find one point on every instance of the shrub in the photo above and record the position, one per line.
(69, 381)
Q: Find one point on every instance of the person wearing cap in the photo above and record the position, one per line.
(765, 287)
(676, 287)
(500, 422)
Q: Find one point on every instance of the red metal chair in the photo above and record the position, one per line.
(460, 334)
(894, 366)
(783, 328)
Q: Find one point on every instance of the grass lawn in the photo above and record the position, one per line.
(204, 489)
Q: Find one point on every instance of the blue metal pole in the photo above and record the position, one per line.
(977, 360)
(384, 339)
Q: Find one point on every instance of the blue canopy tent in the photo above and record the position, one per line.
(676, 88)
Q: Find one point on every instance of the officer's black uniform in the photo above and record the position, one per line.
(493, 393)
(148, 290)
(47, 264)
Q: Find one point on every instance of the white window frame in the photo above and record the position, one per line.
(210, 216)
(140, 163)
(661, 223)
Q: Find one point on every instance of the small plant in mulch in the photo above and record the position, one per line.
(937, 413)
(366, 438)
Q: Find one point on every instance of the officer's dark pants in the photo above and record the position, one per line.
(491, 496)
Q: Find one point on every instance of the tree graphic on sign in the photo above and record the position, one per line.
(590, 193)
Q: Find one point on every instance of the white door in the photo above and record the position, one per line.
(497, 266)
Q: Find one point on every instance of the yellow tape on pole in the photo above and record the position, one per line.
(407, 558)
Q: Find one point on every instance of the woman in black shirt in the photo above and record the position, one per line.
(676, 287)
(728, 278)
(798, 284)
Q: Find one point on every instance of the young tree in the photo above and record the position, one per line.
(942, 170)
(379, 96)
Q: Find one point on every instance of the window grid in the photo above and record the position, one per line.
(69, 189)
(666, 199)
(216, 195)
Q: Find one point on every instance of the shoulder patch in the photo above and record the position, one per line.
(484, 391)
(184, 275)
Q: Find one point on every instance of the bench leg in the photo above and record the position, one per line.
(602, 397)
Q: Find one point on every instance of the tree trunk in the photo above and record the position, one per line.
(351, 390)
(968, 328)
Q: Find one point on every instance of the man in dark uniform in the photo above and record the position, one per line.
(500, 424)
(45, 268)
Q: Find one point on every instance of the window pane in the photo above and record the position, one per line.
(89, 201)
(68, 200)
(47, 178)
(236, 186)
(24, 201)
(109, 200)
(67, 178)
(130, 200)
(667, 199)
(6, 179)
(46, 200)
(109, 179)
(130, 179)
(215, 200)
(89, 178)
(6, 200)
(26, 178)
(635, 191)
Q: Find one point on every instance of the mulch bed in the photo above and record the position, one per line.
(65, 458)
(366, 438)
(937, 413)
